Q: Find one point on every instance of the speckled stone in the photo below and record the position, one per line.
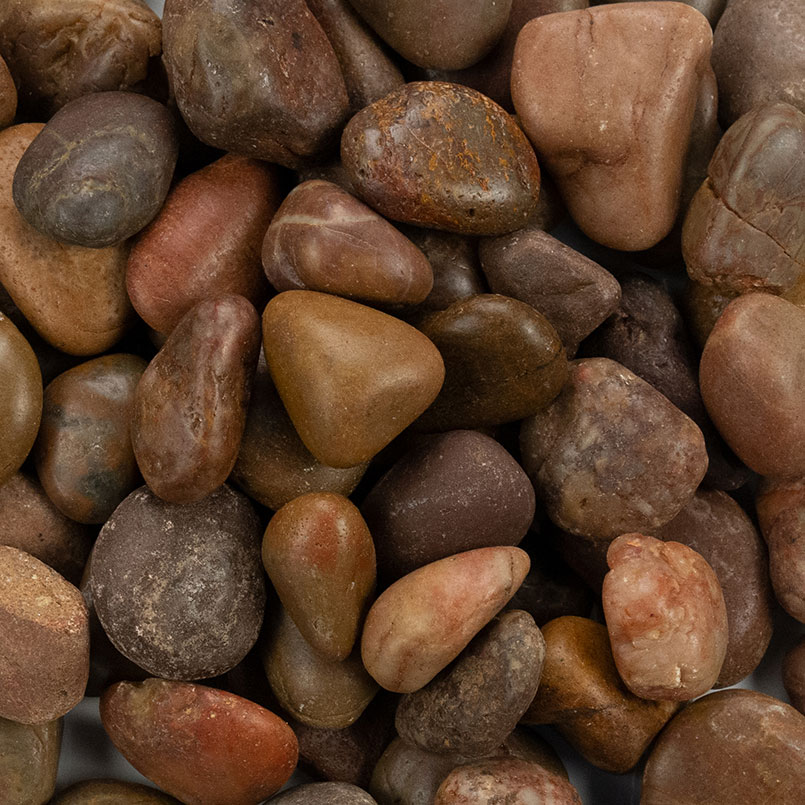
(324, 794)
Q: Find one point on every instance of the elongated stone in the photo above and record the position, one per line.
(29, 761)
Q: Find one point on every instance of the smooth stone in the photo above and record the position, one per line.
(74, 297)
(274, 466)
(99, 171)
(712, 9)
(44, 656)
(759, 56)
(369, 72)
(422, 622)
(112, 792)
(20, 398)
(31, 523)
(351, 378)
(179, 589)
(703, 304)
(574, 293)
(83, 454)
(29, 761)
(58, 52)
(442, 156)
(715, 526)
(324, 794)
(324, 239)
(451, 493)
(794, 675)
(615, 141)
(8, 96)
(447, 34)
(745, 228)
(200, 744)
(752, 376)
(190, 404)
(320, 558)
(733, 743)
(261, 79)
(314, 689)
(503, 362)
(581, 694)
(611, 454)
(471, 707)
(205, 242)
(666, 618)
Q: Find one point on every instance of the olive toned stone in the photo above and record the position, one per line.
(444, 34)
(315, 690)
(29, 761)
(368, 72)
(83, 453)
(8, 96)
(31, 523)
(324, 794)
(716, 527)
(752, 376)
(442, 156)
(20, 398)
(112, 792)
(734, 743)
(320, 558)
(703, 305)
(745, 228)
(44, 655)
(74, 297)
(58, 52)
(178, 589)
(423, 621)
(274, 466)
(581, 694)
(503, 361)
(574, 293)
(200, 744)
(471, 707)
(759, 56)
(324, 239)
(616, 139)
(451, 493)
(352, 378)
(794, 675)
(213, 51)
(205, 241)
(190, 404)
(611, 454)
(99, 171)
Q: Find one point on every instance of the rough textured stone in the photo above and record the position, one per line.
(29, 761)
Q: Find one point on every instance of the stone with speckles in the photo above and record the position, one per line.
(324, 794)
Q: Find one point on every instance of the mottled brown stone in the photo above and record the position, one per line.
(112, 792)
(29, 761)
(712, 9)
(8, 96)
(324, 794)
(794, 675)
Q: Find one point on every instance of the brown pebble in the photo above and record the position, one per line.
(794, 675)
(8, 96)
(324, 794)
(112, 792)
(29, 761)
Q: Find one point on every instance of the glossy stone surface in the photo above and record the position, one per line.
(423, 621)
(581, 694)
(470, 708)
(112, 792)
(187, 607)
(442, 156)
(698, 756)
(213, 50)
(574, 293)
(616, 140)
(29, 761)
(44, 657)
(666, 618)
(324, 239)
(198, 743)
(205, 241)
(74, 297)
(752, 376)
(448, 34)
(503, 362)
(611, 454)
(83, 453)
(351, 378)
(324, 794)
(794, 675)
(451, 493)
(100, 169)
(190, 405)
(320, 558)
(274, 466)
(20, 398)
(59, 52)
